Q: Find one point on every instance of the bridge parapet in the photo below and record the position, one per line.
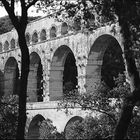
(40, 30)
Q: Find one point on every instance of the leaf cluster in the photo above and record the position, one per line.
(8, 116)
(93, 14)
(108, 103)
(6, 25)
(48, 131)
(104, 99)
(90, 128)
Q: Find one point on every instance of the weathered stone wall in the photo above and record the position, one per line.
(58, 117)
(88, 49)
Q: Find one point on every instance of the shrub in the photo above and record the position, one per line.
(48, 131)
(8, 116)
(107, 102)
(134, 127)
(89, 128)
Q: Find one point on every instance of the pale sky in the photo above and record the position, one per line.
(2, 12)
(31, 12)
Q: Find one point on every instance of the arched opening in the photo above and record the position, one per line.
(27, 36)
(12, 44)
(35, 37)
(69, 123)
(6, 46)
(33, 131)
(11, 77)
(35, 84)
(0, 47)
(113, 64)
(70, 73)
(64, 28)
(1, 83)
(53, 32)
(105, 62)
(43, 35)
(63, 73)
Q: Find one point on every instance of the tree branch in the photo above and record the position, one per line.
(104, 112)
(92, 107)
(31, 3)
(23, 3)
(12, 5)
(94, 2)
(22, 21)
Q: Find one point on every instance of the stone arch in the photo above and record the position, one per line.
(0, 47)
(53, 32)
(35, 37)
(33, 130)
(11, 77)
(6, 45)
(72, 120)
(63, 73)
(98, 59)
(43, 35)
(35, 83)
(12, 43)
(64, 28)
(28, 38)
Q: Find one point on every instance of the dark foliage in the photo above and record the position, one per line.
(6, 25)
(8, 116)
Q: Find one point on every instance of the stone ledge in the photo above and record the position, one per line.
(41, 105)
(44, 105)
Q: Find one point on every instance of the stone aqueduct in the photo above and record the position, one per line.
(55, 53)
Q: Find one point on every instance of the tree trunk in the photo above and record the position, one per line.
(23, 85)
(124, 121)
(130, 101)
(126, 114)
